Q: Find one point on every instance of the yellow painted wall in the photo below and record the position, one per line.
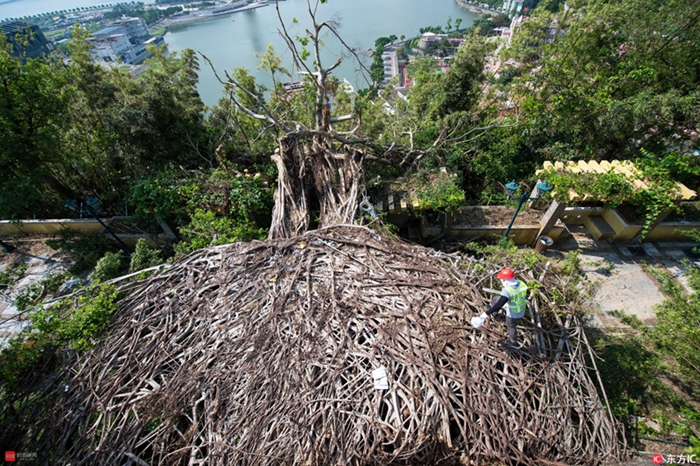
(50, 227)
(624, 231)
(518, 234)
(578, 214)
(669, 232)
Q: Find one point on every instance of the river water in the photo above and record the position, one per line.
(20, 8)
(231, 40)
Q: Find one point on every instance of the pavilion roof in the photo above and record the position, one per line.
(623, 167)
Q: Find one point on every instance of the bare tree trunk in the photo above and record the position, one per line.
(314, 176)
(290, 215)
(319, 169)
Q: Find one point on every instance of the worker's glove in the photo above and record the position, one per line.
(479, 321)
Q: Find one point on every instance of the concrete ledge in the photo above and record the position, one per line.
(86, 225)
(668, 231)
(519, 234)
(579, 214)
(623, 231)
(51, 226)
(599, 228)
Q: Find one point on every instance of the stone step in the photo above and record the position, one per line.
(599, 228)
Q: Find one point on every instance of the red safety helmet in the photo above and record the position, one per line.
(506, 274)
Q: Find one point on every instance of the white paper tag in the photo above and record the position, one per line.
(381, 381)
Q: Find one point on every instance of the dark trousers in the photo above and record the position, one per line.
(511, 324)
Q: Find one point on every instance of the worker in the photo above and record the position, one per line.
(514, 299)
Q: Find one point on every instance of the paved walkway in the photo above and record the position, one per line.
(623, 284)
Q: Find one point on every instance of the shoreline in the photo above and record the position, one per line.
(205, 14)
(476, 8)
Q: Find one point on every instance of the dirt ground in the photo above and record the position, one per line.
(27, 248)
(496, 216)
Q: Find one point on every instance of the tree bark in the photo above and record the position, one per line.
(315, 176)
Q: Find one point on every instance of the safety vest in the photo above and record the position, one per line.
(515, 308)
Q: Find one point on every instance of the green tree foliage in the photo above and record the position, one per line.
(29, 360)
(621, 76)
(81, 130)
(434, 29)
(207, 229)
(270, 62)
(437, 94)
(33, 96)
(677, 333)
(217, 207)
(87, 248)
(640, 388)
(144, 257)
(486, 24)
(669, 350)
(111, 265)
(438, 191)
(174, 193)
(237, 135)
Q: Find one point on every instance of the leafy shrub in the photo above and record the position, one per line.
(611, 188)
(434, 190)
(110, 266)
(677, 333)
(35, 292)
(12, 274)
(640, 386)
(144, 257)
(174, 194)
(54, 281)
(87, 248)
(207, 229)
(74, 323)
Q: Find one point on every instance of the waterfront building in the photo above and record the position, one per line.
(109, 44)
(427, 40)
(26, 40)
(136, 29)
(125, 41)
(518, 6)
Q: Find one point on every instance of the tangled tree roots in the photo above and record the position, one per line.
(263, 352)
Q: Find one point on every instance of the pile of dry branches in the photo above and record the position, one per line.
(263, 352)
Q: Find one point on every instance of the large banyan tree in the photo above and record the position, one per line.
(330, 346)
(319, 167)
(337, 347)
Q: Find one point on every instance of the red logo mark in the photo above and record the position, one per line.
(10, 456)
(657, 459)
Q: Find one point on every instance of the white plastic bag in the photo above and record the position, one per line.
(381, 381)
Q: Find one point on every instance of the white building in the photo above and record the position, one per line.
(109, 46)
(136, 29)
(125, 41)
(428, 39)
(510, 6)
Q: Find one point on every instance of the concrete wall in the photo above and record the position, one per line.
(87, 225)
(623, 230)
(520, 234)
(665, 231)
(51, 227)
(668, 231)
(578, 214)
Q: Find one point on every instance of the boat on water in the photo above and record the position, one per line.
(239, 6)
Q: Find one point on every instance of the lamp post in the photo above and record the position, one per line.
(511, 188)
(93, 207)
(7, 248)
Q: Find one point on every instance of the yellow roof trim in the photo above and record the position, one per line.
(623, 167)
